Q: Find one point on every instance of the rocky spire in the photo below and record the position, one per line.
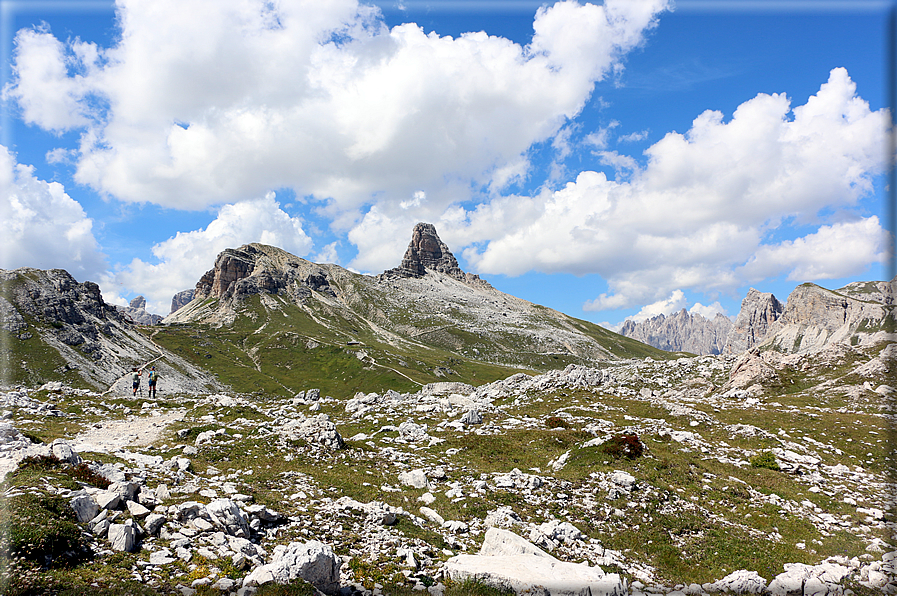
(759, 310)
(427, 252)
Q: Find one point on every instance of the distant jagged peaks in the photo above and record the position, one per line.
(136, 310)
(681, 332)
(427, 252)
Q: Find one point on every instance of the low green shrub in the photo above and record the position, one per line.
(765, 459)
(41, 528)
(40, 462)
(32, 437)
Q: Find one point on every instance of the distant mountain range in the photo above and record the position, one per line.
(262, 319)
(860, 313)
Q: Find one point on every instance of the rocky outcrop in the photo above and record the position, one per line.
(73, 313)
(181, 299)
(815, 317)
(426, 252)
(759, 311)
(260, 269)
(681, 332)
(508, 562)
(136, 312)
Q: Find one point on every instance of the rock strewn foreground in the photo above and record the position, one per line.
(392, 489)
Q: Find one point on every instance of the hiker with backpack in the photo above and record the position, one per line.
(153, 377)
(135, 380)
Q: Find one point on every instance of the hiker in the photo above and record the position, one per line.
(135, 379)
(153, 377)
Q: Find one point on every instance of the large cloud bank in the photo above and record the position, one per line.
(210, 101)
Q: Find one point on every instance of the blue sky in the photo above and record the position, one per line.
(611, 161)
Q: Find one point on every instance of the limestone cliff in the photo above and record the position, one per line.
(758, 311)
(427, 252)
(860, 314)
(260, 269)
(181, 299)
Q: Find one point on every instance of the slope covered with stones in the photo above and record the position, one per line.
(706, 474)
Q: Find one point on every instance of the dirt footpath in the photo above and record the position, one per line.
(104, 437)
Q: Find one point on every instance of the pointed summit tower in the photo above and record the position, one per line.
(427, 252)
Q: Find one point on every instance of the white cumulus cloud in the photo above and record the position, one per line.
(43, 227)
(831, 252)
(202, 102)
(696, 215)
(709, 312)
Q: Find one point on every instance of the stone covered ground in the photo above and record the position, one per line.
(758, 474)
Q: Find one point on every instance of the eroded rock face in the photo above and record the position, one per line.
(75, 312)
(427, 252)
(259, 269)
(759, 311)
(815, 317)
(137, 312)
(181, 299)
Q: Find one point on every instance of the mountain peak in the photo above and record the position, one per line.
(427, 252)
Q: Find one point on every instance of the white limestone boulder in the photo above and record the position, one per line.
(122, 537)
(85, 508)
(226, 514)
(316, 430)
(64, 452)
(508, 562)
(311, 561)
(740, 582)
(414, 479)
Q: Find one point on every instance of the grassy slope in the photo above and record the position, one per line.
(283, 352)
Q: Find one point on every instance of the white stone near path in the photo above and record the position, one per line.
(507, 561)
(312, 561)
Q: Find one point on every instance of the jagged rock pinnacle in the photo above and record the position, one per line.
(427, 252)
